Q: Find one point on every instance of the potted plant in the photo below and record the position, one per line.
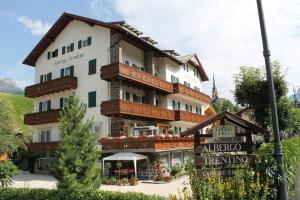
(119, 166)
(108, 166)
(134, 181)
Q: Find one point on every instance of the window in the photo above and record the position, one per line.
(126, 62)
(62, 102)
(179, 129)
(187, 84)
(87, 42)
(126, 95)
(184, 67)
(45, 77)
(197, 89)
(97, 129)
(137, 98)
(45, 106)
(191, 108)
(178, 105)
(174, 79)
(92, 99)
(134, 65)
(156, 102)
(194, 71)
(55, 53)
(69, 71)
(70, 48)
(186, 107)
(44, 134)
(92, 67)
(49, 55)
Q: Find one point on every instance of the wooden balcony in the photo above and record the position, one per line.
(122, 107)
(42, 117)
(43, 146)
(141, 144)
(184, 90)
(50, 87)
(135, 76)
(189, 117)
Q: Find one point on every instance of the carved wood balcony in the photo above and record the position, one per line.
(119, 107)
(43, 146)
(189, 117)
(184, 90)
(130, 74)
(51, 116)
(141, 144)
(52, 86)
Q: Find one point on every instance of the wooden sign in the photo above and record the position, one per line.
(223, 147)
(206, 140)
(223, 131)
(203, 173)
(223, 160)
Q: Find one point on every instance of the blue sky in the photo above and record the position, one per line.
(225, 34)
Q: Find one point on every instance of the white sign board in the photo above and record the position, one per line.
(223, 131)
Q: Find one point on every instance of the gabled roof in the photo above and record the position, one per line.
(197, 65)
(228, 116)
(64, 20)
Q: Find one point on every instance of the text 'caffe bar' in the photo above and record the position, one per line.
(228, 142)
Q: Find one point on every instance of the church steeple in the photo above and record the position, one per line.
(214, 94)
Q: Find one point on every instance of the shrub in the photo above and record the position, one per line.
(44, 194)
(7, 171)
(175, 169)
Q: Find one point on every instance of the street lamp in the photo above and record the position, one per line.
(283, 193)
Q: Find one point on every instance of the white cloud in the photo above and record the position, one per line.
(36, 27)
(102, 9)
(225, 34)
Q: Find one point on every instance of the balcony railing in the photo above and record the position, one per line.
(184, 90)
(147, 144)
(52, 86)
(122, 107)
(43, 146)
(42, 117)
(130, 74)
(189, 117)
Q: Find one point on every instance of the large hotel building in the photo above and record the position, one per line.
(131, 88)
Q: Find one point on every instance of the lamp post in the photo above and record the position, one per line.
(283, 193)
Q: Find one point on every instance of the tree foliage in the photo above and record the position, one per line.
(78, 157)
(251, 90)
(225, 105)
(10, 141)
(7, 171)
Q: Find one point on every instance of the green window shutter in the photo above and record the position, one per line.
(72, 47)
(72, 70)
(61, 102)
(92, 99)
(63, 50)
(49, 76)
(40, 106)
(41, 78)
(79, 44)
(89, 41)
(49, 55)
(92, 66)
(62, 72)
(48, 105)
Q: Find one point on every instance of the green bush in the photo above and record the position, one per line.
(175, 170)
(44, 194)
(7, 171)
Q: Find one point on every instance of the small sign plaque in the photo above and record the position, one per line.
(223, 131)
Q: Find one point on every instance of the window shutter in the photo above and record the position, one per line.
(89, 41)
(127, 96)
(143, 99)
(178, 105)
(61, 103)
(72, 47)
(92, 66)
(56, 52)
(191, 108)
(79, 44)
(49, 55)
(72, 70)
(92, 99)
(48, 105)
(49, 76)
(63, 50)
(186, 107)
(62, 72)
(48, 136)
(40, 106)
(41, 79)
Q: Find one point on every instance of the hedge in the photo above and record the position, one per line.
(54, 194)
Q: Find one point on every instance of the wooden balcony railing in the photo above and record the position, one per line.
(42, 117)
(50, 87)
(182, 89)
(125, 72)
(43, 146)
(155, 143)
(122, 107)
(189, 117)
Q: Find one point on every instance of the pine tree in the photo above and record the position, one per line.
(78, 157)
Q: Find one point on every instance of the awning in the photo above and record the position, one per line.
(125, 156)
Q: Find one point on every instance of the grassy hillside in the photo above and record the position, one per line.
(19, 105)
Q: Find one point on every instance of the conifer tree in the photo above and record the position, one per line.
(77, 157)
